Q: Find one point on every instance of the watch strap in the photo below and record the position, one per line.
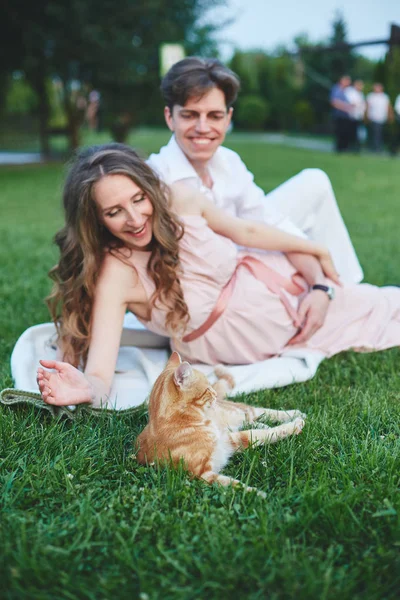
(324, 288)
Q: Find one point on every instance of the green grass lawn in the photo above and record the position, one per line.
(80, 519)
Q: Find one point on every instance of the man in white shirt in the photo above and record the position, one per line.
(378, 113)
(397, 108)
(396, 133)
(354, 94)
(199, 94)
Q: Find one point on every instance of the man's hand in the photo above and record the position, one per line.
(312, 314)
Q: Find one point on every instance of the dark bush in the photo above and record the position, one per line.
(252, 112)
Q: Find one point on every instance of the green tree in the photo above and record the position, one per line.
(252, 112)
(323, 67)
(283, 92)
(270, 78)
(112, 44)
(341, 61)
(392, 72)
(20, 98)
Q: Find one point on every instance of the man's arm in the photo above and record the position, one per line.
(338, 103)
(314, 307)
(390, 113)
(397, 106)
(341, 105)
(367, 109)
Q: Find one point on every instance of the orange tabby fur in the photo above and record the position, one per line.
(190, 420)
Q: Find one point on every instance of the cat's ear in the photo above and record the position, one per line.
(174, 360)
(183, 374)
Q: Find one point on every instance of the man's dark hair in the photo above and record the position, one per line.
(194, 76)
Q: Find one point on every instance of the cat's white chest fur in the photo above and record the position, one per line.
(223, 449)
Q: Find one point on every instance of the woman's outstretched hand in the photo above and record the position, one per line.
(64, 385)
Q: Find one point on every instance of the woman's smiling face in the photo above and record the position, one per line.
(125, 210)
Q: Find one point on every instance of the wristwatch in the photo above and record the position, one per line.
(325, 288)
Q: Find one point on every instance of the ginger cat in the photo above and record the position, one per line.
(190, 420)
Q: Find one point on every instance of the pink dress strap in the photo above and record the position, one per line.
(272, 280)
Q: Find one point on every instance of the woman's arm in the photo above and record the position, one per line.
(252, 234)
(308, 266)
(65, 385)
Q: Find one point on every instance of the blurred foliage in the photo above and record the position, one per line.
(296, 86)
(304, 115)
(392, 73)
(112, 45)
(322, 69)
(20, 98)
(58, 52)
(272, 81)
(252, 112)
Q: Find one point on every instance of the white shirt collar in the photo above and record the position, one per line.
(181, 168)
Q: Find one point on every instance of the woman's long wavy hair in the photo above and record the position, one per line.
(84, 240)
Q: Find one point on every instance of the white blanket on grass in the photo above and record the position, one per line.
(138, 367)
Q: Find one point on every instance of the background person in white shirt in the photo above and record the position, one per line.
(378, 113)
(397, 108)
(396, 133)
(199, 94)
(354, 94)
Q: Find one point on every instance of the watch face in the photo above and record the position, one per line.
(331, 293)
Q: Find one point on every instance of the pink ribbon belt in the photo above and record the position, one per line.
(272, 280)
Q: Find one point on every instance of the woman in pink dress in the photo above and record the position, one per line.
(172, 258)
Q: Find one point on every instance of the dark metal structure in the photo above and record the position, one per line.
(393, 40)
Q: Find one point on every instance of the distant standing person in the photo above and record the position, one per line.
(396, 133)
(378, 113)
(354, 94)
(341, 113)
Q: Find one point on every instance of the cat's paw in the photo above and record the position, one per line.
(295, 414)
(222, 373)
(298, 425)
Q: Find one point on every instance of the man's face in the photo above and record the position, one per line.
(359, 85)
(345, 81)
(200, 126)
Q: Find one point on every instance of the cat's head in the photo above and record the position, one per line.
(180, 385)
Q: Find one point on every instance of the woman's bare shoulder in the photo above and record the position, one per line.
(185, 200)
(118, 280)
(117, 267)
